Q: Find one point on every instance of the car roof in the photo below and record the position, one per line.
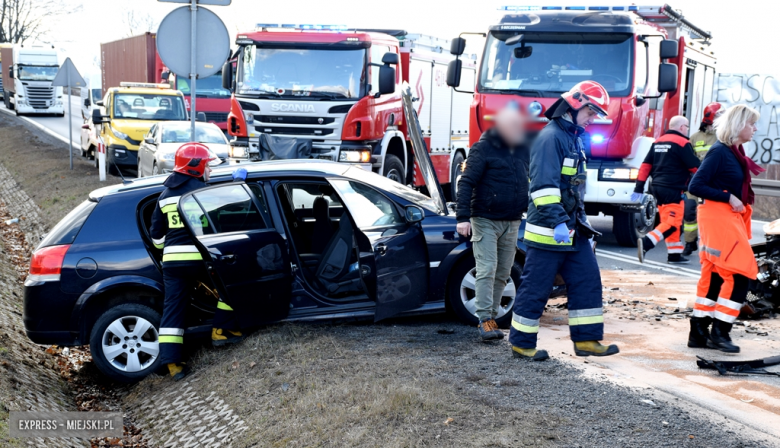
(305, 166)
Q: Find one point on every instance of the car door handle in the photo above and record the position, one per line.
(228, 259)
(381, 249)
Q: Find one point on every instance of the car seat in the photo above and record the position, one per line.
(323, 231)
(333, 272)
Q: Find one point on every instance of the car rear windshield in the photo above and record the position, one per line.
(66, 230)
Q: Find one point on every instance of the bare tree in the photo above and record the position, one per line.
(22, 20)
(136, 22)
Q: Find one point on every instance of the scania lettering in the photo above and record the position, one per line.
(653, 62)
(27, 76)
(336, 93)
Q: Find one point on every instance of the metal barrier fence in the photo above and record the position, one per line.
(765, 187)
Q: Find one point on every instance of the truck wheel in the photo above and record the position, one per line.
(394, 169)
(125, 342)
(457, 171)
(630, 226)
(460, 293)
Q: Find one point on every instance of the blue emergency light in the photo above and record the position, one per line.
(597, 138)
(568, 8)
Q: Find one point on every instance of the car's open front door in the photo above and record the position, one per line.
(245, 255)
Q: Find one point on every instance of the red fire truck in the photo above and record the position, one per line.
(339, 91)
(653, 62)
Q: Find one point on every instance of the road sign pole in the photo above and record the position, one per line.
(193, 66)
(70, 125)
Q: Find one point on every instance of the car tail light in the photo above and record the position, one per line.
(46, 263)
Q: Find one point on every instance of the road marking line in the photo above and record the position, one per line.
(42, 128)
(653, 263)
(611, 256)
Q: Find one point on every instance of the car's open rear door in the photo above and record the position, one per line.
(245, 255)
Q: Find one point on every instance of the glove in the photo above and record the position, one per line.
(561, 233)
(637, 197)
(239, 174)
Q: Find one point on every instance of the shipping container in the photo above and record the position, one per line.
(133, 59)
(7, 58)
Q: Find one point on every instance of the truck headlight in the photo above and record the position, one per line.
(619, 174)
(355, 156)
(237, 152)
(120, 135)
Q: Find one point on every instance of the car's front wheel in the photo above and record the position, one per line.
(462, 295)
(125, 342)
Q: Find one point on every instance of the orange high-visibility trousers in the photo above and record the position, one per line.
(729, 302)
(669, 228)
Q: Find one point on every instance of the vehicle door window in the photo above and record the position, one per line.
(368, 207)
(221, 210)
(377, 52)
(641, 67)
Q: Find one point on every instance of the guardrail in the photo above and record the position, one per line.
(766, 187)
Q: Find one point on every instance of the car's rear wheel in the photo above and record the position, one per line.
(125, 342)
(461, 293)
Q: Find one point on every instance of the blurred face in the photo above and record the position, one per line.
(510, 124)
(746, 134)
(585, 117)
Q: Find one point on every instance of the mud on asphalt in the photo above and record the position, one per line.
(425, 381)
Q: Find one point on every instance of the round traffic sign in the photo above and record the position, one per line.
(174, 42)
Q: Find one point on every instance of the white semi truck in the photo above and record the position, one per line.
(27, 76)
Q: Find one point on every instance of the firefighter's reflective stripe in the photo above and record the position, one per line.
(727, 310)
(710, 251)
(569, 167)
(546, 196)
(159, 243)
(223, 306)
(181, 253)
(542, 235)
(691, 227)
(701, 146)
(525, 325)
(675, 248)
(171, 335)
(586, 317)
(703, 307)
(168, 205)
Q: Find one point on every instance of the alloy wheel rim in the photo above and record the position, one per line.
(130, 344)
(468, 294)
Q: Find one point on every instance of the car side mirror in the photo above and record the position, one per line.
(667, 77)
(86, 102)
(457, 46)
(97, 117)
(413, 214)
(165, 75)
(149, 140)
(670, 49)
(99, 103)
(227, 75)
(453, 72)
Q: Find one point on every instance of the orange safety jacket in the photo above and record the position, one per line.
(725, 238)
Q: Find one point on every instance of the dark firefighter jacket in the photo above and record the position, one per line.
(670, 162)
(168, 232)
(495, 182)
(557, 174)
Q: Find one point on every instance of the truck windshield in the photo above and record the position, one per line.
(97, 94)
(546, 64)
(137, 106)
(210, 87)
(330, 73)
(37, 73)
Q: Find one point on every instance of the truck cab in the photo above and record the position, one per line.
(643, 57)
(126, 114)
(28, 73)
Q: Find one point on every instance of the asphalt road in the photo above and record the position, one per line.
(610, 255)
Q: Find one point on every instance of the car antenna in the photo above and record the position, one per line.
(124, 181)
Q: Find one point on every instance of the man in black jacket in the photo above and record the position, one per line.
(492, 197)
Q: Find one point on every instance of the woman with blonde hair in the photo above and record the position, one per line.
(727, 262)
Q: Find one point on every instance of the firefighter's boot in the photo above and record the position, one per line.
(594, 348)
(700, 332)
(178, 370)
(720, 339)
(690, 247)
(489, 331)
(530, 354)
(677, 259)
(642, 246)
(220, 337)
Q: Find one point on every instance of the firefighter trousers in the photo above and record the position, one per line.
(669, 229)
(580, 271)
(180, 282)
(690, 225)
(719, 293)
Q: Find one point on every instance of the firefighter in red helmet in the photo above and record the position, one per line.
(182, 262)
(701, 141)
(557, 231)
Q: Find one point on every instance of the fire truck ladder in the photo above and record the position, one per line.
(667, 17)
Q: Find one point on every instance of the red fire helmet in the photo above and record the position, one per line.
(588, 93)
(192, 158)
(710, 112)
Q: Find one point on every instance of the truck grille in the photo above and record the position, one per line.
(294, 120)
(39, 97)
(219, 117)
(293, 131)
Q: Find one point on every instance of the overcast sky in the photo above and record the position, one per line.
(743, 31)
